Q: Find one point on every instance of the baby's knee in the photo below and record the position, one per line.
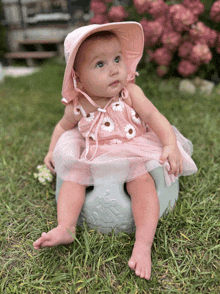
(144, 178)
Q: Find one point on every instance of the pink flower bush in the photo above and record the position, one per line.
(98, 7)
(195, 6)
(117, 13)
(157, 8)
(162, 56)
(99, 19)
(152, 32)
(171, 40)
(213, 35)
(173, 9)
(200, 33)
(182, 18)
(166, 23)
(215, 11)
(200, 54)
(141, 6)
(186, 68)
(185, 49)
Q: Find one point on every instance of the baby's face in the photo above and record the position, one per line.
(101, 70)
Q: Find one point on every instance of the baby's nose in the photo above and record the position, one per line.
(114, 69)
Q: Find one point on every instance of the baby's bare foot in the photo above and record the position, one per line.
(58, 235)
(140, 260)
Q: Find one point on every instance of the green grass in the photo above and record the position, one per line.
(186, 250)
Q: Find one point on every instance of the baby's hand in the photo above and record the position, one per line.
(172, 154)
(48, 160)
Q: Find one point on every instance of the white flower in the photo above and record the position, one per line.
(107, 124)
(42, 180)
(117, 106)
(90, 116)
(135, 117)
(130, 131)
(44, 175)
(115, 141)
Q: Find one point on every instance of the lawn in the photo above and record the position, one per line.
(186, 250)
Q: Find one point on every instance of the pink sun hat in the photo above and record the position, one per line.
(131, 38)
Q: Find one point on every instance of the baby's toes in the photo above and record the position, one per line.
(38, 243)
(132, 264)
(147, 273)
(147, 276)
(138, 270)
(142, 273)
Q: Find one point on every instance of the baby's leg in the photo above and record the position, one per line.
(145, 208)
(70, 202)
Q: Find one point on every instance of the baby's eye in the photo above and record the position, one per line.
(99, 64)
(117, 59)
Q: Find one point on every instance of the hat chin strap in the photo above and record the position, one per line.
(83, 93)
(131, 79)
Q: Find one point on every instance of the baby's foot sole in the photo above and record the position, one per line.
(57, 236)
(140, 260)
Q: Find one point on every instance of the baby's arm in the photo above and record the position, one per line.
(160, 125)
(67, 122)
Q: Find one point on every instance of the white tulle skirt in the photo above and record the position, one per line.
(116, 162)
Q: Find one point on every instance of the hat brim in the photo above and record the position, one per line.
(130, 35)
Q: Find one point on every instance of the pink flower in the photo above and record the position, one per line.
(144, 23)
(99, 19)
(195, 6)
(185, 49)
(98, 7)
(186, 68)
(162, 56)
(166, 23)
(162, 70)
(202, 34)
(200, 54)
(141, 6)
(117, 13)
(152, 31)
(212, 38)
(215, 11)
(182, 19)
(173, 9)
(171, 40)
(158, 8)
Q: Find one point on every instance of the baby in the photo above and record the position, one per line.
(118, 124)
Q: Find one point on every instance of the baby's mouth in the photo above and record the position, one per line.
(114, 83)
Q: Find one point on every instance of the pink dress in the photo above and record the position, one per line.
(116, 143)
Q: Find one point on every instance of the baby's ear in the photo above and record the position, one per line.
(78, 82)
